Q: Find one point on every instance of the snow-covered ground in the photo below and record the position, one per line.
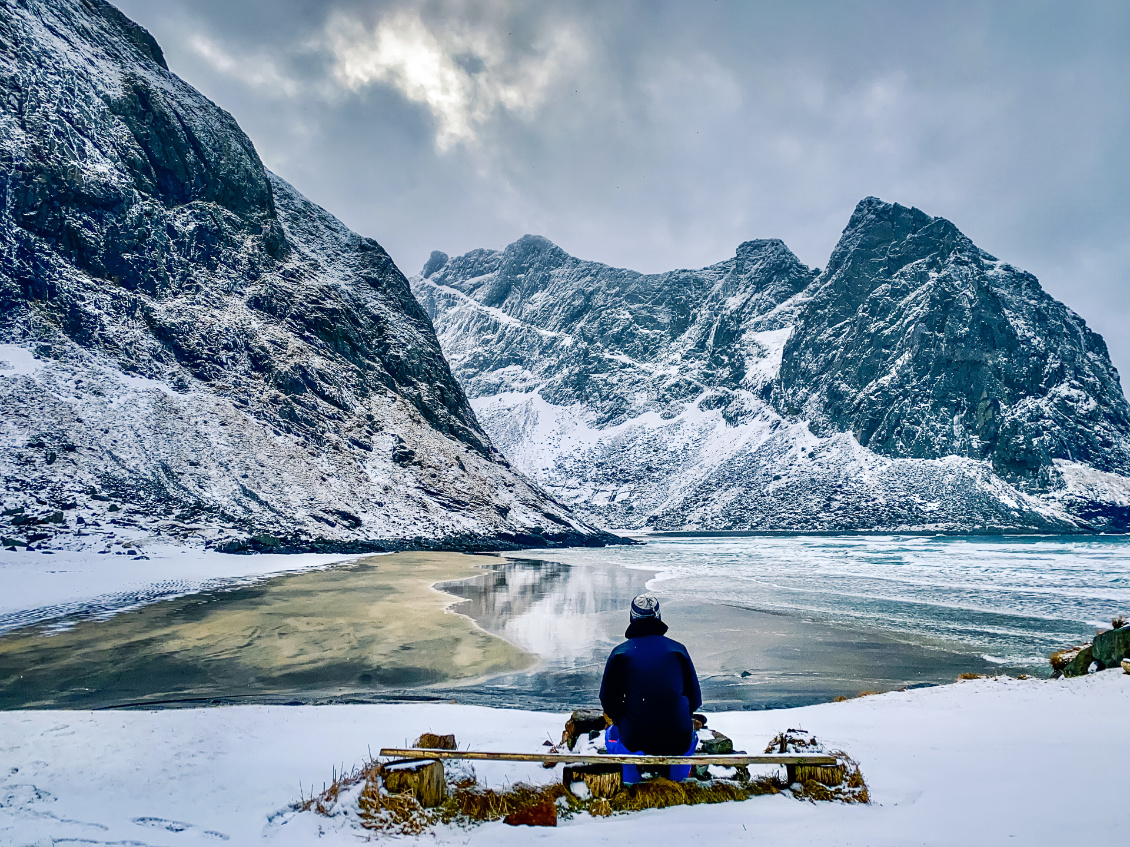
(984, 762)
(38, 587)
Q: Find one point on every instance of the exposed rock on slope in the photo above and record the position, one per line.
(915, 383)
(924, 346)
(186, 335)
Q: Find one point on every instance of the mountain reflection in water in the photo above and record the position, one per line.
(571, 616)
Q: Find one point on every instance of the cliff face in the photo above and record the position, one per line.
(185, 334)
(916, 383)
(923, 346)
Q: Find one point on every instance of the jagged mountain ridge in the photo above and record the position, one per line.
(184, 334)
(830, 408)
(924, 346)
(624, 342)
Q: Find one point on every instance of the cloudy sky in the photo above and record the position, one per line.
(657, 135)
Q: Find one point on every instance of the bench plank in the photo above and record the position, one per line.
(727, 759)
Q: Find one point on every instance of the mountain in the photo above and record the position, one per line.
(916, 383)
(188, 346)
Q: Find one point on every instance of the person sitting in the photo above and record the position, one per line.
(650, 691)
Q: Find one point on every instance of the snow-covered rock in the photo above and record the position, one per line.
(917, 383)
(188, 344)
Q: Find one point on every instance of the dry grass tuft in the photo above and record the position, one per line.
(661, 793)
(475, 805)
(840, 699)
(853, 788)
(323, 803)
(600, 808)
(400, 814)
(968, 675)
(1060, 659)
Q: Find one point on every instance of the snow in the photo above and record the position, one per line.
(981, 762)
(39, 587)
(16, 360)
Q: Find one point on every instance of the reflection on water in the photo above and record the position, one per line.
(573, 615)
(1011, 599)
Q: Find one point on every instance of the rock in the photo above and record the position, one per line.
(1080, 665)
(423, 779)
(717, 745)
(1111, 647)
(431, 741)
(583, 722)
(540, 814)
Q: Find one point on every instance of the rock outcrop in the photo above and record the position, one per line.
(916, 383)
(183, 334)
(923, 346)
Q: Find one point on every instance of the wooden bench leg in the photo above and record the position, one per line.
(601, 780)
(423, 779)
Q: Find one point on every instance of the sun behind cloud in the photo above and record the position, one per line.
(463, 73)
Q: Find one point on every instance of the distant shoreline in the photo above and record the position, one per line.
(833, 533)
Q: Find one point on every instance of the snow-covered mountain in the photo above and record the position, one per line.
(917, 382)
(189, 346)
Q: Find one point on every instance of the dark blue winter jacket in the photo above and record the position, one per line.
(650, 690)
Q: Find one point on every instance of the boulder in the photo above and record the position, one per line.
(1111, 647)
(431, 741)
(1080, 664)
(541, 814)
(588, 722)
(718, 744)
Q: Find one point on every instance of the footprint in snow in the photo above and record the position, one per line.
(178, 826)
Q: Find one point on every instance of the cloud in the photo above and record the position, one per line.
(462, 73)
(257, 71)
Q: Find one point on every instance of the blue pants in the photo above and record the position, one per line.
(675, 773)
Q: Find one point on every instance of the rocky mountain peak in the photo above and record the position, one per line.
(184, 333)
(923, 346)
(881, 238)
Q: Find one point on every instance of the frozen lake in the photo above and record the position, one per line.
(770, 622)
(1011, 600)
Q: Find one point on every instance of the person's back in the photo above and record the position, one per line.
(650, 689)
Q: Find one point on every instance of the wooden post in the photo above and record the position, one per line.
(825, 775)
(423, 779)
(602, 780)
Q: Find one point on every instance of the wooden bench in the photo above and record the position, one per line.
(726, 759)
(826, 769)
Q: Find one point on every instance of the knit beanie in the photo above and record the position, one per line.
(645, 606)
